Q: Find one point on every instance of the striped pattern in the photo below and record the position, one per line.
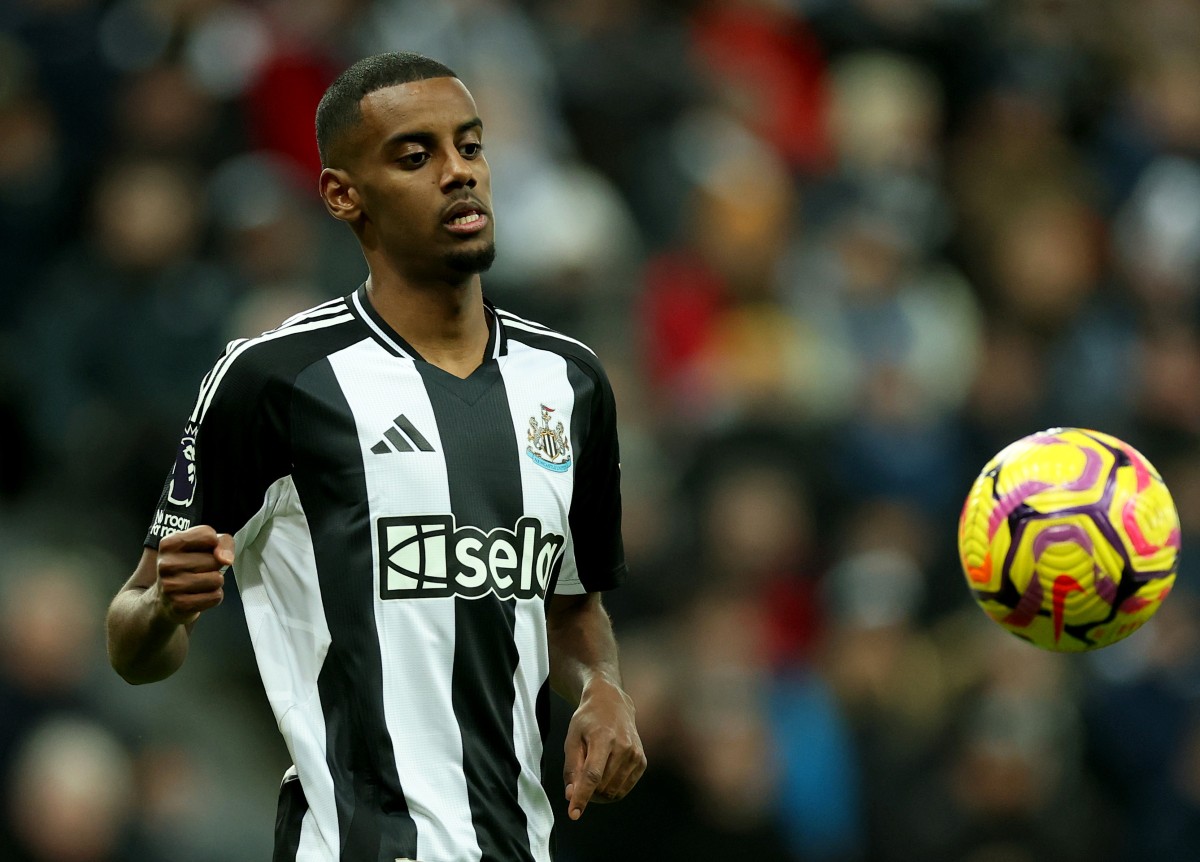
(328, 314)
(416, 722)
(512, 322)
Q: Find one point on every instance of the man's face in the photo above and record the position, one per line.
(425, 184)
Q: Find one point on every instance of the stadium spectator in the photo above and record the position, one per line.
(835, 254)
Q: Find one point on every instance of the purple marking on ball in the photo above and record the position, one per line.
(1048, 436)
(1097, 512)
(1028, 606)
(1157, 574)
(1058, 534)
(1091, 471)
(1008, 503)
(1105, 586)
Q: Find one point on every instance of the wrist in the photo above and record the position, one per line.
(603, 682)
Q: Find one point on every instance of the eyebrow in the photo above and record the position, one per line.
(421, 136)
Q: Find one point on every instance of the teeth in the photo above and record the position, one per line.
(466, 219)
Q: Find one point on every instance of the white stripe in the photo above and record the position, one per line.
(306, 317)
(533, 668)
(416, 636)
(323, 310)
(534, 376)
(524, 320)
(321, 305)
(371, 323)
(549, 333)
(543, 491)
(498, 335)
(313, 847)
(217, 369)
(224, 354)
(277, 579)
(202, 408)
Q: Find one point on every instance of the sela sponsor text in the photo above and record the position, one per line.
(425, 556)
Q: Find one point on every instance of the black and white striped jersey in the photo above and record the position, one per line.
(398, 530)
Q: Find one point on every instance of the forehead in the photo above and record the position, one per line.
(435, 105)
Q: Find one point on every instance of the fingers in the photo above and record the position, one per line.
(185, 607)
(188, 561)
(190, 578)
(601, 766)
(576, 755)
(199, 538)
(604, 755)
(625, 770)
(588, 776)
(224, 552)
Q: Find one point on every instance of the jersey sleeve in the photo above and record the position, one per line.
(232, 448)
(595, 516)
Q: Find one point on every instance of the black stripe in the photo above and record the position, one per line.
(381, 325)
(398, 441)
(413, 434)
(289, 819)
(498, 345)
(582, 412)
(542, 711)
(373, 817)
(595, 515)
(484, 475)
(381, 448)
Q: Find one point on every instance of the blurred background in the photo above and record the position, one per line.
(834, 254)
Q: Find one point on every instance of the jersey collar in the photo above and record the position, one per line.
(391, 341)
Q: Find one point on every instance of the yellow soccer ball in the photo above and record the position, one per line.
(1069, 539)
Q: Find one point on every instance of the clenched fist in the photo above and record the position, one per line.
(190, 572)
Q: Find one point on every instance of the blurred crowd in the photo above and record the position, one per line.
(834, 254)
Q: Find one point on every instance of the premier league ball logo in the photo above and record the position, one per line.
(182, 490)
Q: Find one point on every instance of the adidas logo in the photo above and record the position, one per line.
(401, 437)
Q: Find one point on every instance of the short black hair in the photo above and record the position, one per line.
(339, 110)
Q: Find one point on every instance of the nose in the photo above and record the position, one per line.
(457, 171)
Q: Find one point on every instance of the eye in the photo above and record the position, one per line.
(471, 149)
(413, 160)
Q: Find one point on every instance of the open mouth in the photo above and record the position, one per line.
(468, 218)
(467, 222)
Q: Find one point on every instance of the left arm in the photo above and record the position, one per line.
(604, 756)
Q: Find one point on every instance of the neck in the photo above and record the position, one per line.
(445, 321)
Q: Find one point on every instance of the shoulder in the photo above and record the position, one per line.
(531, 334)
(251, 369)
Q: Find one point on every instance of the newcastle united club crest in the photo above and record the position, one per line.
(548, 447)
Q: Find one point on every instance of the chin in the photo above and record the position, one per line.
(472, 261)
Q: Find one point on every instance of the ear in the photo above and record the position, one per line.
(340, 196)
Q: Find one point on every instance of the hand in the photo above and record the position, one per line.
(189, 572)
(604, 756)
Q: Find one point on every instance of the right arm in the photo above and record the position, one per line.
(233, 446)
(150, 620)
